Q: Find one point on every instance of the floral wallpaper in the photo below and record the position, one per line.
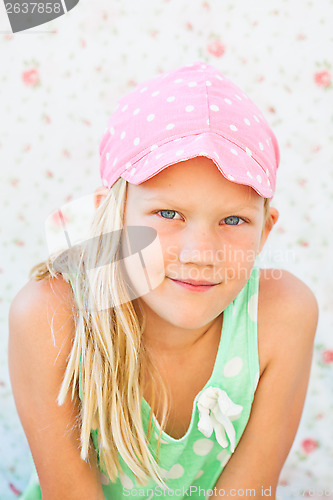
(58, 84)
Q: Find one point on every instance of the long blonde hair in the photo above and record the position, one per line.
(109, 342)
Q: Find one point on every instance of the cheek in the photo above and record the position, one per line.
(144, 268)
(244, 255)
(241, 259)
(242, 248)
(170, 251)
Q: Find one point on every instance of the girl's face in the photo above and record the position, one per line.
(209, 229)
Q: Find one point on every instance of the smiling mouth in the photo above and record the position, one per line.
(195, 285)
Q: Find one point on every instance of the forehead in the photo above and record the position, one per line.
(197, 181)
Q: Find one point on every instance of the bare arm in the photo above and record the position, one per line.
(279, 399)
(37, 364)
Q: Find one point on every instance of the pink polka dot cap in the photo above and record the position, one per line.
(191, 111)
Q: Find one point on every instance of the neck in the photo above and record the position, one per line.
(167, 340)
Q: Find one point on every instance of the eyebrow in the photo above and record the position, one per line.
(174, 202)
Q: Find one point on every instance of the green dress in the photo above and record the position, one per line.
(192, 464)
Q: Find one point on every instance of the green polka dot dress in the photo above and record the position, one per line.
(220, 413)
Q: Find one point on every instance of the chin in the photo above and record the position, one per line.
(188, 318)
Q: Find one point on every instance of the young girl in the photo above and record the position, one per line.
(156, 359)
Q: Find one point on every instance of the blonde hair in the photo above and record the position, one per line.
(114, 358)
(268, 219)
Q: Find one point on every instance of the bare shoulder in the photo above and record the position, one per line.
(53, 292)
(287, 313)
(41, 332)
(41, 317)
(41, 335)
(287, 321)
(280, 288)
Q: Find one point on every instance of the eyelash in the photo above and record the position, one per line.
(238, 217)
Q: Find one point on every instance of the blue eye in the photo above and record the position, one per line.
(168, 213)
(234, 220)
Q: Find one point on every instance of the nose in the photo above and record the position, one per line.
(199, 246)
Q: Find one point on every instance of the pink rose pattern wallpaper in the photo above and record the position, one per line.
(59, 84)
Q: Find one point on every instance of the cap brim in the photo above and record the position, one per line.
(236, 164)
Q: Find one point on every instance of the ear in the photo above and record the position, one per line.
(100, 195)
(270, 222)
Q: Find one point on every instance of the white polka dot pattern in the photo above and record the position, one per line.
(223, 457)
(202, 446)
(256, 381)
(104, 479)
(233, 367)
(175, 472)
(205, 451)
(193, 101)
(126, 481)
(253, 307)
(199, 474)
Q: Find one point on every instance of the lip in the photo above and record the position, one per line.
(197, 283)
(198, 286)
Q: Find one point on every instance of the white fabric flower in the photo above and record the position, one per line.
(216, 411)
